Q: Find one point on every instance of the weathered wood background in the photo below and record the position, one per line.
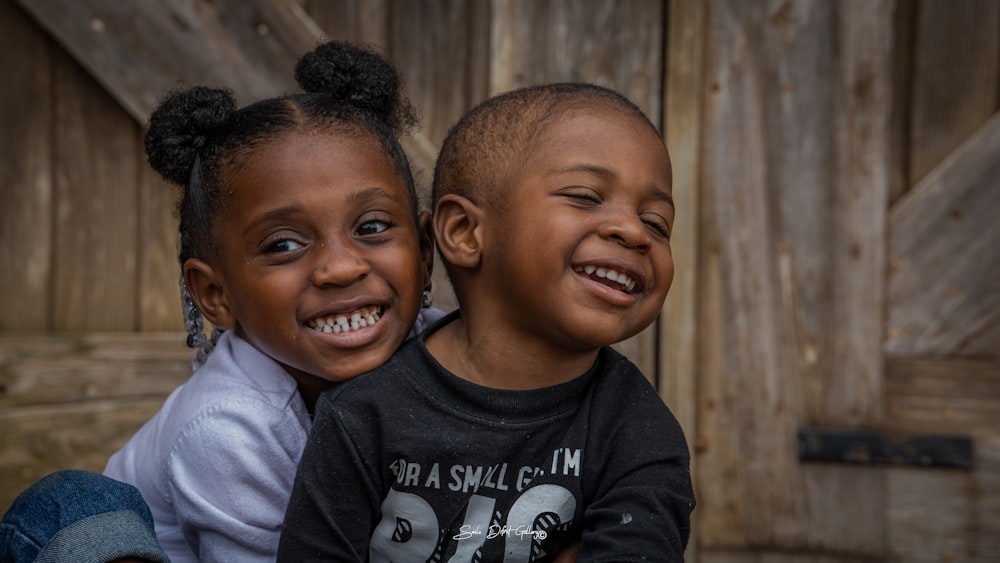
(837, 174)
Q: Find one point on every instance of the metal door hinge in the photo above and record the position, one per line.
(869, 448)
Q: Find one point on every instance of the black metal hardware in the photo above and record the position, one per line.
(868, 448)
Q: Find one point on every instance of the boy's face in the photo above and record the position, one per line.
(318, 229)
(582, 255)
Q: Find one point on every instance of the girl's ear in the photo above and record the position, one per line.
(205, 287)
(425, 230)
(458, 231)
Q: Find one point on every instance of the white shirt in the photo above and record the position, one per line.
(217, 462)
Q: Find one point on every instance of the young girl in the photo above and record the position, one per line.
(300, 240)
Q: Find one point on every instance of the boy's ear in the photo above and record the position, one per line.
(458, 230)
(425, 230)
(205, 287)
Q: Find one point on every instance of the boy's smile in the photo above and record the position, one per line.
(319, 255)
(579, 251)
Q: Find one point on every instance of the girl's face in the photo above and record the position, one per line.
(320, 263)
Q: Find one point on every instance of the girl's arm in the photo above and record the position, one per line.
(229, 476)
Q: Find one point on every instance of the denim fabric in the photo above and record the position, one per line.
(78, 516)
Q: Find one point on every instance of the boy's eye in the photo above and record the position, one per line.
(658, 225)
(582, 196)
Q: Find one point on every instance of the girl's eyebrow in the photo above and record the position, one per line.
(360, 196)
(271, 215)
(368, 194)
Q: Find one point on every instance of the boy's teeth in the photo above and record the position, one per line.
(622, 278)
(345, 323)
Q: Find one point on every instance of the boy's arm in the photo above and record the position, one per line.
(334, 505)
(644, 516)
(641, 509)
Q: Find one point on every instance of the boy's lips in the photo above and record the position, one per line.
(357, 319)
(612, 277)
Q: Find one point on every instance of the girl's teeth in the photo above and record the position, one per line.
(346, 323)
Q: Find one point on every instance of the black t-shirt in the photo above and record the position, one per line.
(411, 463)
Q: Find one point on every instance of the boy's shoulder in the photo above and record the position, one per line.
(621, 385)
(388, 376)
(620, 373)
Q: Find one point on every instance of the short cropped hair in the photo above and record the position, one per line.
(485, 147)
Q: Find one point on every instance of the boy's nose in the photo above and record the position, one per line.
(628, 230)
(339, 267)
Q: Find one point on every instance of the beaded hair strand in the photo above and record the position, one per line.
(194, 323)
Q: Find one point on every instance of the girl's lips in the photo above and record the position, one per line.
(337, 323)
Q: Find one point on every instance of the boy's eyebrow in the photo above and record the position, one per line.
(660, 193)
(654, 190)
(584, 167)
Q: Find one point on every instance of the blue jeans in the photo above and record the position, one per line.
(78, 516)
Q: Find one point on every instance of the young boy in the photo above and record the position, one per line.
(511, 431)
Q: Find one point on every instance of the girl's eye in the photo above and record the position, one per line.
(282, 245)
(373, 227)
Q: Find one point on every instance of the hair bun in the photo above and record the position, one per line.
(358, 76)
(180, 126)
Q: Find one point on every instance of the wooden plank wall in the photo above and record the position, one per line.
(805, 135)
(795, 180)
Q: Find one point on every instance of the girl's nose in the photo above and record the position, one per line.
(626, 229)
(339, 267)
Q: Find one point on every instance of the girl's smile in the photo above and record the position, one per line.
(319, 260)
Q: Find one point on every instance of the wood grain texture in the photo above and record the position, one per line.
(442, 51)
(25, 174)
(943, 396)
(71, 400)
(677, 377)
(140, 50)
(359, 21)
(618, 44)
(95, 196)
(158, 269)
(795, 189)
(955, 88)
(942, 515)
(944, 285)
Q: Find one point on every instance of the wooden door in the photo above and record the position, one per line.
(849, 279)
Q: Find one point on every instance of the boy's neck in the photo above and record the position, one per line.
(494, 358)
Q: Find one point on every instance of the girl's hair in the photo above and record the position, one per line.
(197, 136)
